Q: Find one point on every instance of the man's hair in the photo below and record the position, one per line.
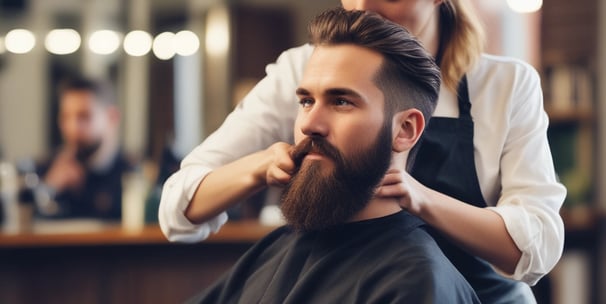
(101, 89)
(408, 77)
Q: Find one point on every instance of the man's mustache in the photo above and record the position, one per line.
(316, 145)
(84, 150)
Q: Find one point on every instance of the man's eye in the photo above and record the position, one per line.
(306, 102)
(342, 102)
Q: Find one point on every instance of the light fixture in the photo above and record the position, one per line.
(104, 42)
(217, 32)
(525, 6)
(164, 46)
(62, 41)
(20, 41)
(137, 43)
(186, 43)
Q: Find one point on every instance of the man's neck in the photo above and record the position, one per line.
(376, 208)
(384, 206)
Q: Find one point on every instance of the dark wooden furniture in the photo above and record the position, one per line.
(114, 266)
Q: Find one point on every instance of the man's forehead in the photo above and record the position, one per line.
(341, 66)
(80, 100)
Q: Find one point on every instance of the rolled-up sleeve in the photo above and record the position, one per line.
(531, 196)
(176, 195)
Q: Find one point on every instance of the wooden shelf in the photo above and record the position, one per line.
(570, 116)
(113, 234)
(578, 219)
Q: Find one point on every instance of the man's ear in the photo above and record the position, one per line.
(407, 129)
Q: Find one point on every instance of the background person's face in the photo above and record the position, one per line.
(82, 120)
(414, 15)
(343, 135)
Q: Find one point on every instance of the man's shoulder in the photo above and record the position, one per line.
(412, 266)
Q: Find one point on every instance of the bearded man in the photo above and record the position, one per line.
(366, 95)
(83, 178)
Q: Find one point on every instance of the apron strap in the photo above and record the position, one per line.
(463, 98)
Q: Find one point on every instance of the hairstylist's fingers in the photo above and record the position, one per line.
(391, 178)
(277, 177)
(279, 171)
(393, 190)
(281, 157)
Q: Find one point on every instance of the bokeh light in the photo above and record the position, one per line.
(20, 41)
(164, 46)
(104, 42)
(62, 41)
(137, 43)
(525, 6)
(186, 43)
(217, 32)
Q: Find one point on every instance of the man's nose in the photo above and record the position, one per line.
(315, 122)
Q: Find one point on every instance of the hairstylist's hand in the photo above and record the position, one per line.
(400, 185)
(281, 166)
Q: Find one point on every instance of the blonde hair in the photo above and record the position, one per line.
(461, 40)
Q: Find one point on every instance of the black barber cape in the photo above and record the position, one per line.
(386, 260)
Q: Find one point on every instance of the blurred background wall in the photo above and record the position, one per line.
(176, 100)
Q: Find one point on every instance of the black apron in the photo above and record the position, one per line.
(445, 163)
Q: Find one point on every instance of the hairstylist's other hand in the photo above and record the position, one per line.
(400, 185)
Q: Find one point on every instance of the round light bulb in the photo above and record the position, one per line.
(186, 43)
(104, 42)
(20, 41)
(164, 46)
(62, 41)
(137, 43)
(525, 6)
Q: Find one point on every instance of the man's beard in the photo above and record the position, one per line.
(85, 150)
(314, 200)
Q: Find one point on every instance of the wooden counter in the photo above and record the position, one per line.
(113, 234)
(109, 265)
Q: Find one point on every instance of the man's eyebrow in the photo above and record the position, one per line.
(302, 91)
(332, 91)
(343, 92)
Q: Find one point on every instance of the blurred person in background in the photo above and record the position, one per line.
(83, 177)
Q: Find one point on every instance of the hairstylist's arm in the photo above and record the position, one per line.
(480, 231)
(232, 183)
(265, 116)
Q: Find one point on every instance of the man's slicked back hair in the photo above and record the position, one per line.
(408, 78)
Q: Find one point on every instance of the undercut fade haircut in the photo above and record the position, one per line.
(408, 76)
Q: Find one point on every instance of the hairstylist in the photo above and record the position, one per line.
(483, 177)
